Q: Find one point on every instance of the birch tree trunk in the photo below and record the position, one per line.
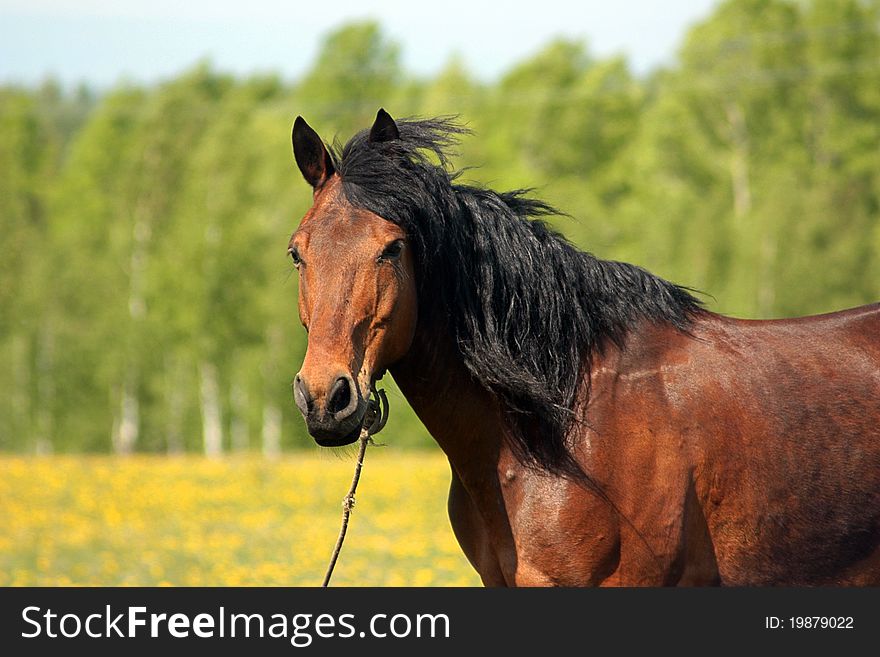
(45, 390)
(766, 249)
(19, 395)
(739, 160)
(271, 431)
(127, 426)
(212, 426)
(125, 433)
(175, 401)
(271, 437)
(238, 430)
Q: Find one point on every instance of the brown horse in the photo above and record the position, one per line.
(601, 426)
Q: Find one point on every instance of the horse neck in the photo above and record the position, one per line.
(460, 415)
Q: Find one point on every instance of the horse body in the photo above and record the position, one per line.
(706, 490)
(602, 427)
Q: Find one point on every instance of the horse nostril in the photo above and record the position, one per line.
(301, 395)
(340, 395)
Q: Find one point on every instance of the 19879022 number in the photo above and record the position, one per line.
(809, 623)
(821, 622)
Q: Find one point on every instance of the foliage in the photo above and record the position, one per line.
(146, 302)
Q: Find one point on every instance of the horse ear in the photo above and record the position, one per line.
(311, 155)
(384, 128)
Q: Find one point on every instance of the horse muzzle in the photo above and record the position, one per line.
(334, 413)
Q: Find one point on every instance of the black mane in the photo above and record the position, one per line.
(526, 309)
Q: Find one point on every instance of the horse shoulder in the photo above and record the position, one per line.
(642, 443)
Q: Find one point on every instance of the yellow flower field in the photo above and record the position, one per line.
(237, 521)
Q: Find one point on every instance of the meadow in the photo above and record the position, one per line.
(234, 521)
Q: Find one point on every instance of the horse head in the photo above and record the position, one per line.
(357, 292)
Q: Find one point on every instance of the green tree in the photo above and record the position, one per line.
(29, 148)
(356, 71)
(146, 301)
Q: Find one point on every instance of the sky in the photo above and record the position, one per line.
(103, 42)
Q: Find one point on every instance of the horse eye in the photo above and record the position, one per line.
(392, 251)
(294, 255)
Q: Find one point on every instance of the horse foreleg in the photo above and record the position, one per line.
(472, 536)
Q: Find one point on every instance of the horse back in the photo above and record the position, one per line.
(772, 427)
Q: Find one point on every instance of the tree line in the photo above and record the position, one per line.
(146, 301)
